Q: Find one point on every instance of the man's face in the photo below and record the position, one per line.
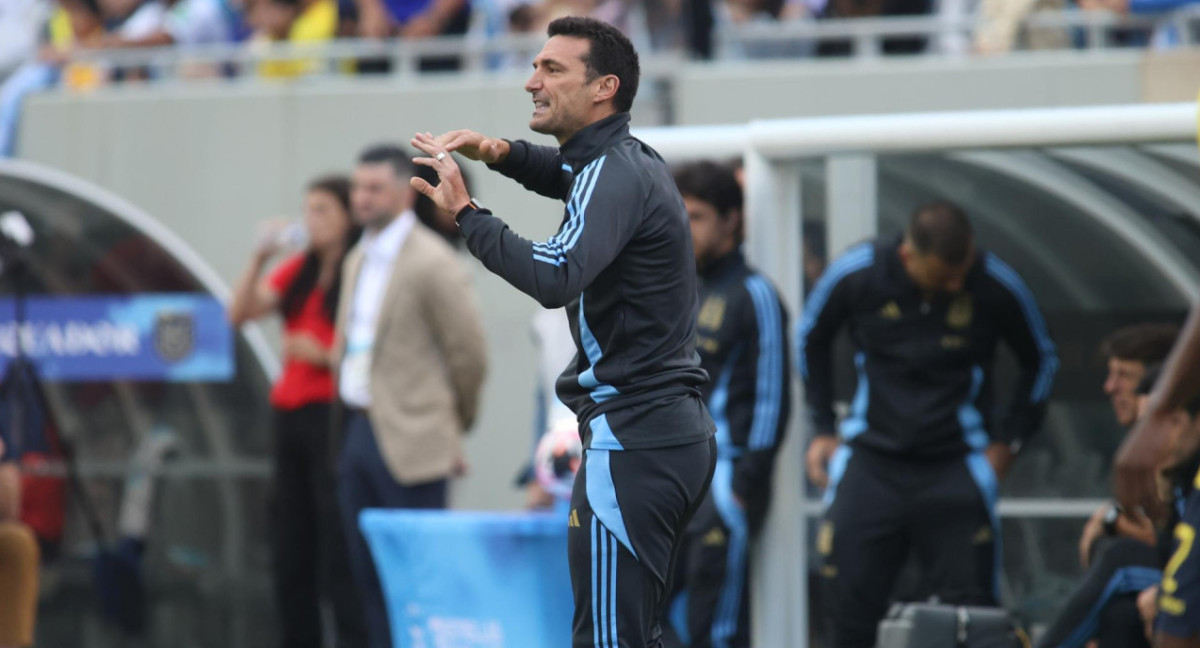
(712, 236)
(932, 274)
(1121, 388)
(378, 195)
(563, 98)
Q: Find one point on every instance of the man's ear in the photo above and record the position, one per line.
(607, 88)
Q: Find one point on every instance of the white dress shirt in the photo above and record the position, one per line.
(379, 257)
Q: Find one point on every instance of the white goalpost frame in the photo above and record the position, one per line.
(769, 150)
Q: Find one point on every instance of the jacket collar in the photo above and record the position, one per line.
(591, 140)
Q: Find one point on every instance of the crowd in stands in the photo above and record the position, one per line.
(53, 43)
(54, 31)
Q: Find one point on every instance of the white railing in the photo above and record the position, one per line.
(489, 54)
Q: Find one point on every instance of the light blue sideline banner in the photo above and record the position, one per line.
(472, 580)
(176, 337)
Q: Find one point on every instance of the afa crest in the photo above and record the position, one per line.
(712, 314)
(174, 336)
(961, 312)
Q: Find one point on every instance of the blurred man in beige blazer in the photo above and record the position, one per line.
(410, 359)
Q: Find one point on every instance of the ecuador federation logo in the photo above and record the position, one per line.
(174, 336)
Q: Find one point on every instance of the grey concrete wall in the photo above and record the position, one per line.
(210, 160)
(736, 92)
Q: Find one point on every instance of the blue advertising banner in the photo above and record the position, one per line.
(182, 337)
(473, 580)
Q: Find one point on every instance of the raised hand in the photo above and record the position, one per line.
(451, 192)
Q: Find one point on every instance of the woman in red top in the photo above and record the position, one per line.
(309, 551)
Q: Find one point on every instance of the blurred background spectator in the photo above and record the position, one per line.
(295, 22)
(1002, 26)
(1166, 35)
(310, 562)
(21, 24)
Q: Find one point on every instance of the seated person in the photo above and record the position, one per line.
(1123, 561)
(18, 559)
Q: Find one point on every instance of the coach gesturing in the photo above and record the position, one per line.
(622, 264)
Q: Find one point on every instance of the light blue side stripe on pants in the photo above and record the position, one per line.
(729, 604)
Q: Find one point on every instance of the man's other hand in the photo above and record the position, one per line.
(817, 459)
(1001, 456)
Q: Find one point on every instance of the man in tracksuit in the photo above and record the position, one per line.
(622, 264)
(919, 458)
(742, 329)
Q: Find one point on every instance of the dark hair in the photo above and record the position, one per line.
(1151, 376)
(306, 280)
(392, 154)
(714, 184)
(1145, 343)
(91, 6)
(941, 228)
(609, 52)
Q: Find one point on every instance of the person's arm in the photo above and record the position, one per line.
(253, 298)
(827, 309)
(772, 390)
(1146, 447)
(10, 486)
(1024, 329)
(10, 492)
(373, 19)
(540, 169)
(432, 21)
(449, 301)
(604, 211)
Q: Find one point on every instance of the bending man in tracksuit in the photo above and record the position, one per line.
(742, 341)
(918, 461)
(622, 264)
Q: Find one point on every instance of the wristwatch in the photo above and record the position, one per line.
(1110, 518)
(472, 204)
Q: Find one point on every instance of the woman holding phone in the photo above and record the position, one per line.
(309, 555)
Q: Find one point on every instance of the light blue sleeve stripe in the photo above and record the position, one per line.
(587, 197)
(769, 387)
(567, 167)
(556, 249)
(1048, 366)
(554, 245)
(857, 258)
